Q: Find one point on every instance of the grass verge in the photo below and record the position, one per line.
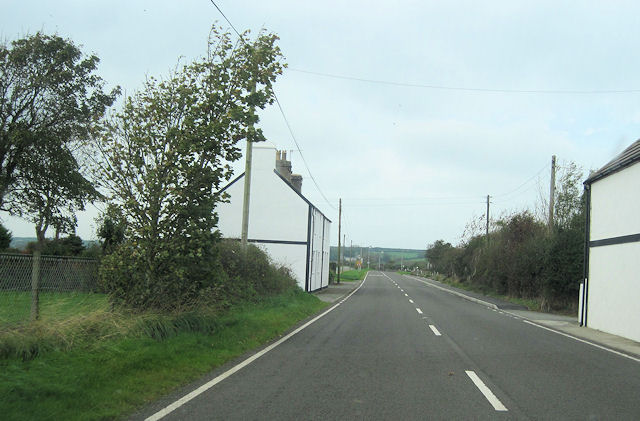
(530, 303)
(111, 378)
(353, 275)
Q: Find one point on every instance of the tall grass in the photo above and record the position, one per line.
(113, 375)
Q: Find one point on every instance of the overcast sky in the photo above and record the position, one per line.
(412, 164)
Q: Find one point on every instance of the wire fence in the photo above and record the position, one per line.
(67, 285)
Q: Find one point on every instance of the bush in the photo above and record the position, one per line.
(521, 258)
(190, 273)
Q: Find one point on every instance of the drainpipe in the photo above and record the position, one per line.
(587, 237)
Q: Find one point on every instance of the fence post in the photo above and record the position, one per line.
(35, 284)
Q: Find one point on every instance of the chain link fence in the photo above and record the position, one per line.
(66, 285)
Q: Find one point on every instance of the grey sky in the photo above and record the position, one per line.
(412, 164)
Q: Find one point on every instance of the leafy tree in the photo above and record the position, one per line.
(5, 238)
(49, 195)
(164, 158)
(443, 257)
(568, 200)
(71, 245)
(112, 228)
(49, 93)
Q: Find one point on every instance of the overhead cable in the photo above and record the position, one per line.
(283, 116)
(468, 89)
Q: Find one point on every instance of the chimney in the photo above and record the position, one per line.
(296, 182)
(282, 165)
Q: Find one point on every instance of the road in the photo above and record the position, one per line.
(400, 349)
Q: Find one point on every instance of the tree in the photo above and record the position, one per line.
(111, 228)
(5, 238)
(48, 93)
(49, 195)
(568, 200)
(165, 155)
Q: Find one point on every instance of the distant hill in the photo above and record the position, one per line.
(386, 254)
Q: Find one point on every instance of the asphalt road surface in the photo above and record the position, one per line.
(398, 349)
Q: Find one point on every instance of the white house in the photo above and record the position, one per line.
(281, 220)
(611, 298)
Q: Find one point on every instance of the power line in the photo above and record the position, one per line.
(523, 184)
(468, 89)
(283, 116)
(301, 155)
(228, 21)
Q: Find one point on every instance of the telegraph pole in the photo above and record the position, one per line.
(487, 230)
(247, 177)
(339, 234)
(552, 191)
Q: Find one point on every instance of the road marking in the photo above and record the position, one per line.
(186, 398)
(466, 297)
(435, 330)
(405, 294)
(410, 300)
(419, 311)
(583, 341)
(493, 400)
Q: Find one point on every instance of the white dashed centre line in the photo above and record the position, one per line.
(405, 294)
(410, 300)
(419, 311)
(493, 400)
(435, 330)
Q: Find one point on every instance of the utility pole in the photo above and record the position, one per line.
(552, 191)
(487, 231)
(247, 178)
(339, 234)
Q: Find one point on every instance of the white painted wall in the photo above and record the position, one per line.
(293, 256)
(615, 204)
(614, 290)
(277, 213)
(320, 251)
(614, 270)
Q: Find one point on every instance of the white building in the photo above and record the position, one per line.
(611, 299)
(281, 220)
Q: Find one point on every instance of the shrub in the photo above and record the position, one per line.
(191, 272)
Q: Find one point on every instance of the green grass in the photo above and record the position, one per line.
(15, 307)
(533, 304)
(113, 377)
(353, 275)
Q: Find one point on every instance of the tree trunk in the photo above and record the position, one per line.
(35, 277)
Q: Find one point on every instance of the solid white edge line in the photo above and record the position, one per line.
(419, 311)
(493, 400)
(466, 297)
(583, 341)
(435, 330)
(186, 398)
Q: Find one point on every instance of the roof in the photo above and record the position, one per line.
(287, 183)
(626, 158)
(300, 194)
